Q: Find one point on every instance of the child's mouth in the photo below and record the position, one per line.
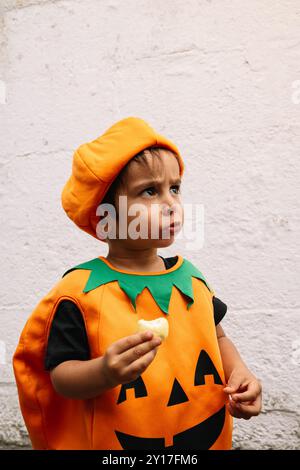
(172, 228)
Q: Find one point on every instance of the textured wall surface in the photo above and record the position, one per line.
(222, 81)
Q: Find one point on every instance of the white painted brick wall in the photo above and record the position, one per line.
(217, 78)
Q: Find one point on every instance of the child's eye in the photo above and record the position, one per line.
(148, 189)
(177, 187)
(151, 190)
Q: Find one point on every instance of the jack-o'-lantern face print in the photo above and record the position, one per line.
(177, 403)
(199, 432)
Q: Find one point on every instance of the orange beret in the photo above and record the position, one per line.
(96, 164)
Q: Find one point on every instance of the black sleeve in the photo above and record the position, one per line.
(219, 309)
(67, 337)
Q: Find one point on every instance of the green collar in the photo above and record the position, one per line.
(160, 285)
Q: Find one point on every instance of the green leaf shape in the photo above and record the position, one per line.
(159, 285)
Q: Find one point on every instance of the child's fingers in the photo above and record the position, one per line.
(138, 351)
(123, 344)
(244, 411)
(247, 411)
(137, 367)
(249, 395)
(234, 411)
(233, 386)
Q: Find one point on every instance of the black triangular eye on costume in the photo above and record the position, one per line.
(138, 386)
(204, 367)
(177, 394)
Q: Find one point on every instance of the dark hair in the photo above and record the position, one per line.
(141, 158)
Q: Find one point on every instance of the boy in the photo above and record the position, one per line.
(86, 379)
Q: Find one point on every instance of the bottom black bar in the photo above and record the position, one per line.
(134, 459)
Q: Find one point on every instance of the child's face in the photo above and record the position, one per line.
(156, 188)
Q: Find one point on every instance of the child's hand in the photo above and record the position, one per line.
(126, 359)
(247, 401)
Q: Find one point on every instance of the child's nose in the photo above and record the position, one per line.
(167, 201)
(167, 210)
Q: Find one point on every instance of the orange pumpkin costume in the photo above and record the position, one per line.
(178, 402)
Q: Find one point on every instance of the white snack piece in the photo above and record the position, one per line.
(159, 326)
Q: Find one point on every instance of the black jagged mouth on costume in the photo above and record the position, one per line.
(199, 437)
